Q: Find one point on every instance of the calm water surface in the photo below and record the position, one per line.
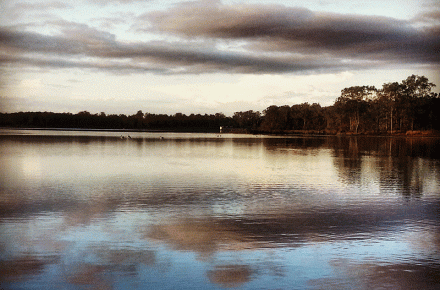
(89, 210)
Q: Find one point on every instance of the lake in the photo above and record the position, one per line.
(92, 210)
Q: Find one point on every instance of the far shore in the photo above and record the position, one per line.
(413, 133)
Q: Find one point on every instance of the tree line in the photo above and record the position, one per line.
(407, 106)
(138, 121)
(395, 108)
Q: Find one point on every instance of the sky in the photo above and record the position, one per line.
(212, 56)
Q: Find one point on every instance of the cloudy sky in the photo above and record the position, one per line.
(159, 56)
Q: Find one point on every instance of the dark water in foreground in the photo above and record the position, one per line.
(89, 210)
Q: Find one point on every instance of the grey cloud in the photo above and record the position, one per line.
(13, 11)
(86, 35)
(432, 17)
(107, 2)
(274, 39)
(116, 67)
(41, 6)
(84, 42)
(112, 22)
(216, 60)
(33, 42)
(301, 30)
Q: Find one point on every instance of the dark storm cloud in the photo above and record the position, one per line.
(80, 42)
(301, 30)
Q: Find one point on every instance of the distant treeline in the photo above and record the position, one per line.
(138, 121)
(395, 108)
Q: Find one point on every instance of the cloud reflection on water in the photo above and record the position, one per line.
(16, 269)
(147, 222)
(230, 276)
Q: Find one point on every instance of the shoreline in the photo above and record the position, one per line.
(413, 133)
